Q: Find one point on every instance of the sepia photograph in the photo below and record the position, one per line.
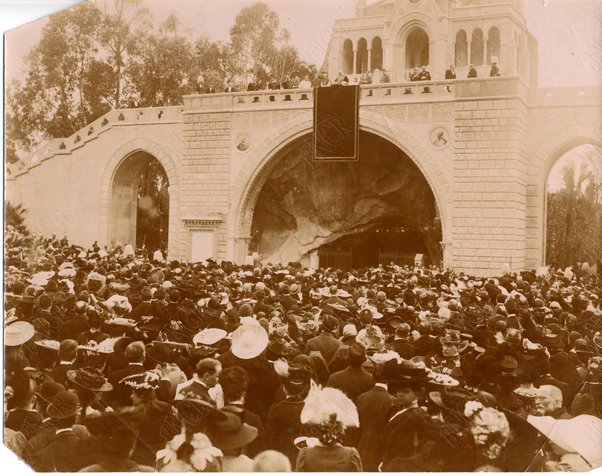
(302, 236)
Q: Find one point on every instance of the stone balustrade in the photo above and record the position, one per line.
(371, 94)
(115, 117)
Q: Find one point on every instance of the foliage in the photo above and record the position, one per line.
(14, 215)
(153, 207)
(574, 217)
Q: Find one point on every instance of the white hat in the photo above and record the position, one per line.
(209, 336)
(349, 330)
(581, 434)
(128, 250)
(18, 333)
(157, 256)
(248, 341)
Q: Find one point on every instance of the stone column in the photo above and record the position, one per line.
(354, 60)
(369, 65)
(468, 52)
(487, 58)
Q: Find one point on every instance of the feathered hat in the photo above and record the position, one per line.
(321, 403)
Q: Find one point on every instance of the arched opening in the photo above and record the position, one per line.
(574, 208)
(461, 53)
(378, 208)
(347, 57)
(139, 209)
(493, 44)
(417, 48)
(377, 54)
(476, 47)
(362, 56)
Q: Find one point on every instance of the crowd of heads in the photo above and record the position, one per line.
(212, 366)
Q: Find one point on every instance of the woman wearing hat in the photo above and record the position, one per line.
(327, 413)
(231, 435)
(152, 430)
(89, 384)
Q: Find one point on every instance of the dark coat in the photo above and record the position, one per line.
(403, 433)
(27, 422)
(263, 381)
(353, 381)
(374, 408)
(405, 349)
(283, 425)
(325, 343)
(60, 455)
(59, 373)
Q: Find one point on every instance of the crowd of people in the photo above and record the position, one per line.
(378, 76)
(120, 362)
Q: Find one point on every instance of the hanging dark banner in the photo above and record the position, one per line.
(336, 123)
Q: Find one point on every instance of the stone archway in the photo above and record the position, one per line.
(548, 151)
(118, 201)
(263, 160)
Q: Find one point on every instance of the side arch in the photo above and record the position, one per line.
(108, 176)
(253, 175)
(548, 151)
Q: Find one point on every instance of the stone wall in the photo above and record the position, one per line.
(490, 186)
(488, 179)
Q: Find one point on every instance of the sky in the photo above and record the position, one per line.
(569, 31)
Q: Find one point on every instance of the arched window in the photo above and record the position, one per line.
(476, 47)
(347, 57)
(362, 56)
(493, 44)
(461, 53)
(376, 61)
(417, 48)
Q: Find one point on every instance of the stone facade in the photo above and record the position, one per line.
(485, 146)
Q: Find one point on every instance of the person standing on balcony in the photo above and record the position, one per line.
(495, 69)
(324, 81)
(305, 83)
(450, 73)
(425, 74)
(341, 79)
(472, 72)
(415, 75)
(385, 78)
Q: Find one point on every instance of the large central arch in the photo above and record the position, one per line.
(263, 160)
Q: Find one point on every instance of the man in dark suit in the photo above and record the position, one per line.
(354, 380)
(285, 299)
(206, 377)
(46, 432)
(61, 453)
(401, 344)
(120, 396)
(326, 343)
(145, 308)
(72, 327)
(234, 381)
(450, 73)
(66, 357)
(374, 408)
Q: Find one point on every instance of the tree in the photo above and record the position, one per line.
(574, 215)
(163, 71)
(120, 38)
(255, 38)
(59, 94)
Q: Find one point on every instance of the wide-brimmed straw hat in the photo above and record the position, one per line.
(17, 333)
(249, 341)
